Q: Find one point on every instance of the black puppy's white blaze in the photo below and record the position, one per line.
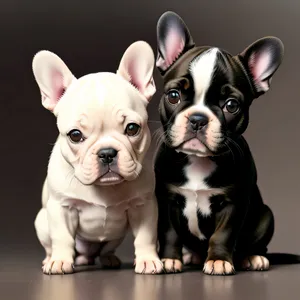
(202, 70)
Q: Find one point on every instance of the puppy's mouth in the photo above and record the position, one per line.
(110, 178)
(194, 146)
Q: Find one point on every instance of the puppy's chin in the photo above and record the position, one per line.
(109, 178)
(113, 178)
(111, 175)
(194, 147)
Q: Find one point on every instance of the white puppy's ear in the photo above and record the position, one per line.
(137, 66)
(52, 76)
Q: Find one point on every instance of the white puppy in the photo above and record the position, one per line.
(98, 182)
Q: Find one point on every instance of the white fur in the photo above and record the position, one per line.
(76, 204)
(202, 70)
(190, 212)
(196, 192)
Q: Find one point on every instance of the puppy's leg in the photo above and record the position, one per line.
(170, 243)
(143, 221)
(258, 241)
(42, 231)
(191, 258)
(86, 252)
(229, 223)
(63, 222)
(108, 259)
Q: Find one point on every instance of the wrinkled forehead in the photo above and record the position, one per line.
(104, 89)
(103, 95)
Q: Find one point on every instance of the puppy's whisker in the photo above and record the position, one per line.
(169, 135)
(236, 145)
(228, 141)
(158, 135)
(173, 134)
(179, 126)
(232, 153)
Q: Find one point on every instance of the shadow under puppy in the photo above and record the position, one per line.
(207, 192)
(99, 181)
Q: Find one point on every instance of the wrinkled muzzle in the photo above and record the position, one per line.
(107, 164)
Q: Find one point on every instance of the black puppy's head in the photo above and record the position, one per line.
(207, 91)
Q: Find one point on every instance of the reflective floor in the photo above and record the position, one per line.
(21, 278)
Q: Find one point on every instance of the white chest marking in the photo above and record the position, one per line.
(196, 192)
(196, 203)
(198, 169)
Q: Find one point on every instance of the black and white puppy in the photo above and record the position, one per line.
(207, 192)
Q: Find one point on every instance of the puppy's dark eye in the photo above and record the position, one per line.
(76, 136)
(173, 97)
(232, 106)
(132, 129)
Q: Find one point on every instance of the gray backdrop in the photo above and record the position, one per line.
(91, 36)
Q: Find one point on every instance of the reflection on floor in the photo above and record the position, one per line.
(21, 278)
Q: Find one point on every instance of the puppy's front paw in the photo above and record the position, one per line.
(148, 266)
(172, 265)
(110, 261)
(82, 260)
(218, 267)
(191, 259)
(256, 263)
(58, 267)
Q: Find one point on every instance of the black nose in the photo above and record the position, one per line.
(198, 121)
(107, 155)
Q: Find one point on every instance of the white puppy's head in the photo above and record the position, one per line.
(101, 117)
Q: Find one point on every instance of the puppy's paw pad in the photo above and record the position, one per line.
(58, 267)
(256, 263)
(172, 265)
(191, 259)
(83, 260)
(154, 266)
(218, 267)
(110, 261)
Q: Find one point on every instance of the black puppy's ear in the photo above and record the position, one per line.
(261, 60)
(173, 39)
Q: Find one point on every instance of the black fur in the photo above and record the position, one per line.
(240, 224)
